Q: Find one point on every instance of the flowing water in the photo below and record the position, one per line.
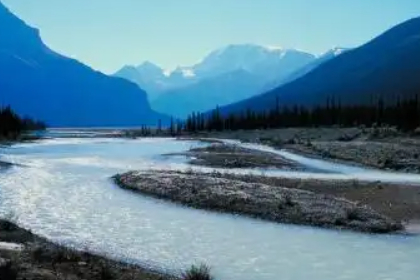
(62, 190)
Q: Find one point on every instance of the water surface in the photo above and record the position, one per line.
(63, 192)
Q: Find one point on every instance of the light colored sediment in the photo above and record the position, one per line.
(222, 155)
(274, 203)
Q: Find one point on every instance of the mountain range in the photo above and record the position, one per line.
(61, 91)
(224, 76)
(387, 67)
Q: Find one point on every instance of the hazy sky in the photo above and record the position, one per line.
(106, 34)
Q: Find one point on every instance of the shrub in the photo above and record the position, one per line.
(201, 272)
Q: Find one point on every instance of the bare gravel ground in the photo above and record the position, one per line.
(266, 200)
(221, 155)
(399, 202)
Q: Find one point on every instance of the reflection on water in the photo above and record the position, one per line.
(65, 194)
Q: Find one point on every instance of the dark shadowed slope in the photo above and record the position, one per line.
(61, 91)
(388, 66)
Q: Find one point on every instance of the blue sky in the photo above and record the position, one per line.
(107, 34)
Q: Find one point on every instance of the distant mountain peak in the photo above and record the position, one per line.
(225, 74)
(128, 67)
(185, 72)
(149, 65)
(248, 47)
(334, 51)
(242, 48)
(274, 48)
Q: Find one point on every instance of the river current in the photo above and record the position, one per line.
(61, 189)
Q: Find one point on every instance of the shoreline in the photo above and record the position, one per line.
(380, 148)
(24, 255)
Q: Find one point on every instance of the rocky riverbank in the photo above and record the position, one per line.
(26, 256)
(256, 199)
(380, 147)
(392, 154)
(221, 155)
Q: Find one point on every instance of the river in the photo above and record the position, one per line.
(61, 190)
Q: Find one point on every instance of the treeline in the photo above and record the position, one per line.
(404, 114)
(11, 125)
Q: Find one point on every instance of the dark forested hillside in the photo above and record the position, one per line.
(403, 114)
(388, 67)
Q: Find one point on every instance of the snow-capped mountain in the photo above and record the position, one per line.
(321, 59)
(208, 93)
(258, 60)
(263, 64)
(154, 79)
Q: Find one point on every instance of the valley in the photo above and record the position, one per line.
(212, 153)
